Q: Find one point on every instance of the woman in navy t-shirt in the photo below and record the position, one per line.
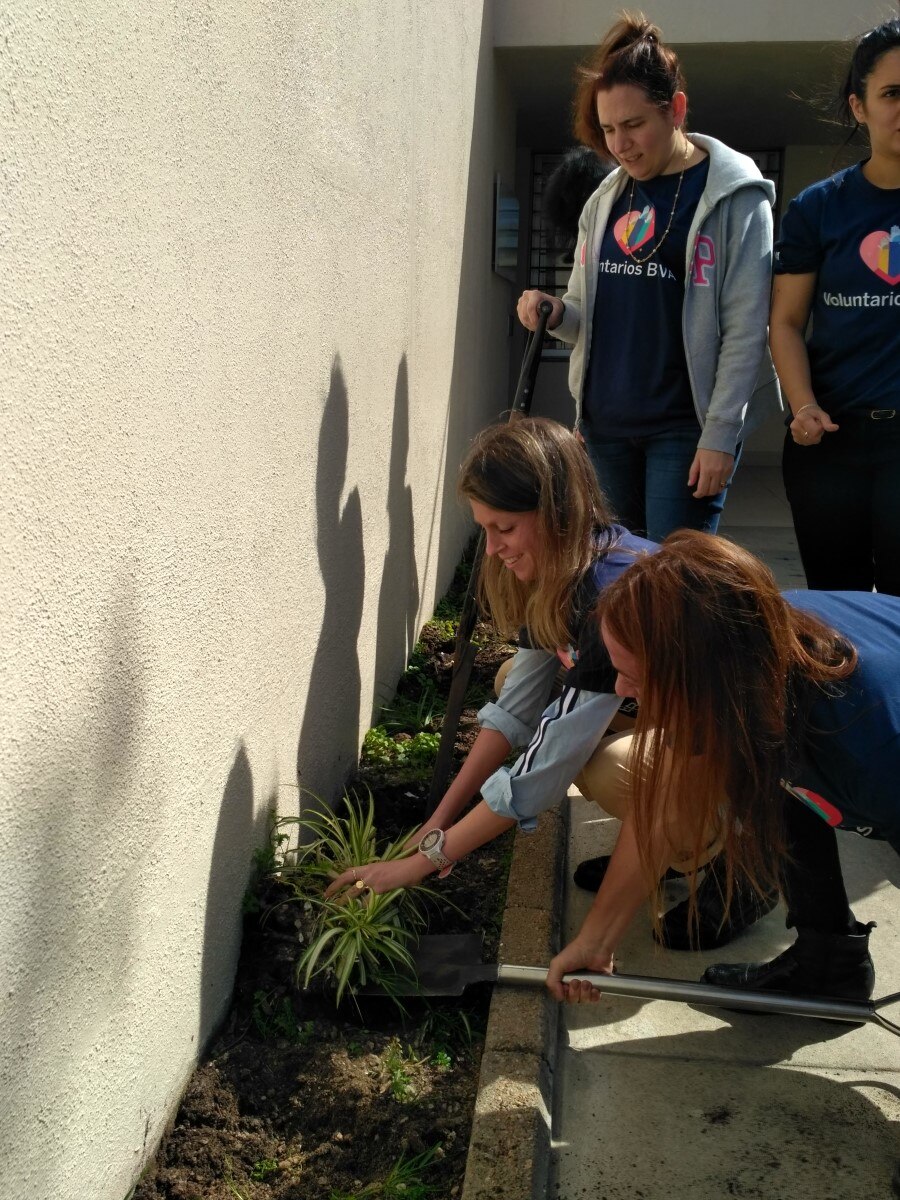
(838, 259)
(667, 303)
(766, 721)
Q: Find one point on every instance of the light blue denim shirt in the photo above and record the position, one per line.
(558, 737)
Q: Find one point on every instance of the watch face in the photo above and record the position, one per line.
(431, 839)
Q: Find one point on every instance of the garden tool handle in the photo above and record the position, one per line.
(521, 405)
(464, 652)
(649, 988)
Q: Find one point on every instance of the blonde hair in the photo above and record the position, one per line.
(536, 465)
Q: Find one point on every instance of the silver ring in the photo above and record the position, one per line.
(353, 872)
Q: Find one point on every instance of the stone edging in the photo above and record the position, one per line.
(509, 1148)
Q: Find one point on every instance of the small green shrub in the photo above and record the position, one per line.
(442, 1027)
(412, 712)
(415, 752)
(273, 1017)
(396, 1063)
(353, 942)
(442, 1060)
(364, 941)
(263, 1169)
(327, 843)
(448, 611)
(443, 629)
(403, 1182)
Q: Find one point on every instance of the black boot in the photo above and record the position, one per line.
(833, 965)
(710, 932)
(591, 873)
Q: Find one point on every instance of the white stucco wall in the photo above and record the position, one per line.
(233, 240)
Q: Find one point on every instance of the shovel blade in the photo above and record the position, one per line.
(447, 963)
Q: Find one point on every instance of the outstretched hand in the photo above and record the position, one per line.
(375, 878)
(580, 954)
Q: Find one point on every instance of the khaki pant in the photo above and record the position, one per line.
(605, 779)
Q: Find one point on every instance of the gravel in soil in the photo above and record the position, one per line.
(298, 1100)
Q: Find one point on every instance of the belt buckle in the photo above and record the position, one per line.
(883, 414)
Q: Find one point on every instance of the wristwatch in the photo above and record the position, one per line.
(431, 845)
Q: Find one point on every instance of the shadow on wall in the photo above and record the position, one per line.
(229, 873)
(70, 921)
(479, 376)
(398, 598)
(327, 746)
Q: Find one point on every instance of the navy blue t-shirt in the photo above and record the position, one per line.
(591, 667)
(637, 378)
(849, 769)
(847, 231)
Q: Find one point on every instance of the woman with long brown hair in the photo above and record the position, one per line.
(551, 548)
(766, 720)
(667, 304)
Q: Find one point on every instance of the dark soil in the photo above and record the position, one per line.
(300, 1100)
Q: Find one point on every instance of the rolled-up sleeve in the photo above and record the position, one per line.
(567, 735)
(523, 697)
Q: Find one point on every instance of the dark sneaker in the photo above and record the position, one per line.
(591, 873)
(680, 933)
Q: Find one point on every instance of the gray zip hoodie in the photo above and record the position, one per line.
(726, 296)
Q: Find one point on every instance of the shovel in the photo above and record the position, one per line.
(447, 963)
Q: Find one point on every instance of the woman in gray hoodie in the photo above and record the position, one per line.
(667, 304)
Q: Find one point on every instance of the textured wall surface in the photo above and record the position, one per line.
(248, 323)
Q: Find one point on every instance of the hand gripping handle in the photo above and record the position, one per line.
(649, 988)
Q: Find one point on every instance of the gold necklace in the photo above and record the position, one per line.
(634, 258)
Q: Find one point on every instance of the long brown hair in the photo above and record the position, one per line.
(633, 53)
(868, 49)
(536, 465)
(724, 664)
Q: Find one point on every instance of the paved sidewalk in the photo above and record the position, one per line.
(657, 1100)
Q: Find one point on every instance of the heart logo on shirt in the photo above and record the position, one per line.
(880, 251)
(635, 228)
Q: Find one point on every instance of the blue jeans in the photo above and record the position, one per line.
(645, 481)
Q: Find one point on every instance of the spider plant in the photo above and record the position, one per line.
(404, 1180)
(330, 843)
(364, 941)
(353, 941)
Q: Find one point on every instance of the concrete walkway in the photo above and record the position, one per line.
(655, 1100)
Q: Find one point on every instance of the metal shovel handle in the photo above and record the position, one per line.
(648, 988)
(528, 374)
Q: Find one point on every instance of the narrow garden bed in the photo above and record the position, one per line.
(300, 1099)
